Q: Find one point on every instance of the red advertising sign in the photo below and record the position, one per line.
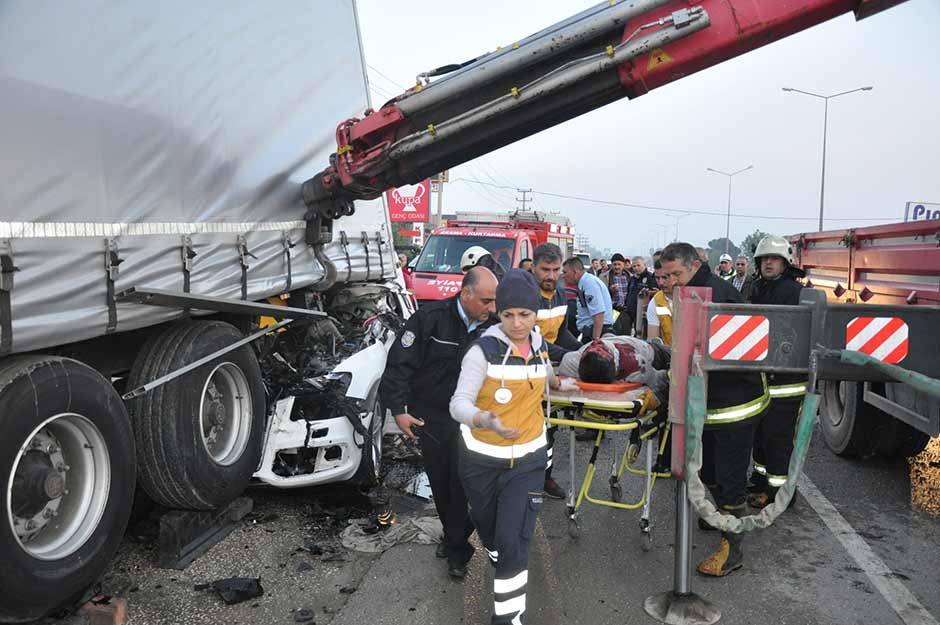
(410, 203)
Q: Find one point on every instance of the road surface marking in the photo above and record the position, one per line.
(902, 600)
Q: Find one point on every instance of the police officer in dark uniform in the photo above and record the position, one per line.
(773, 442)
(420, 376)
(735, 404)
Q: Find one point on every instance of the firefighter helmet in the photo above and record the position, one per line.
(772, 245)
(471, 257)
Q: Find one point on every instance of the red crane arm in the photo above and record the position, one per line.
(611, 51)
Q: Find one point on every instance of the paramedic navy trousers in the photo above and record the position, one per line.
(440, 462)
(504, 504)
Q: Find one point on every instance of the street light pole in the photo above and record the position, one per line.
(825, 99)
(728, 220)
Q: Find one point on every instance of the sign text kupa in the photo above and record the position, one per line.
(410, 203)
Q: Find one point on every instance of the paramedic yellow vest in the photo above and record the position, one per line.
(664, 312)
(525, 378)
(552, 314)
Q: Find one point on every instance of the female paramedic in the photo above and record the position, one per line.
(503, 451)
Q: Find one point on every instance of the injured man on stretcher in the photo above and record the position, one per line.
(611, 359)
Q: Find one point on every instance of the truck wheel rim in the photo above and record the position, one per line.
(225, 414)
(59, 486)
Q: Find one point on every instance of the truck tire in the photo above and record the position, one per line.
(370, 467)
(846, 425)
(911, 441)
(67, 466)
(199, 436)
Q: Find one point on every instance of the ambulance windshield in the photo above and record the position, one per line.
(442, 252)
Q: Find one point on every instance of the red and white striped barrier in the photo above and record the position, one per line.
(883, 338)
(738, 337)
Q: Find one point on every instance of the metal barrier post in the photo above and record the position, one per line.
(680, 606)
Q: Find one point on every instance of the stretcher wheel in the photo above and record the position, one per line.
(646, 535)
(616, 492)
(574, 530)
(633, 451)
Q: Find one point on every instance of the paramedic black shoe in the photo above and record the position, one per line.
(456, 570)
(553, 490)
(441, 551)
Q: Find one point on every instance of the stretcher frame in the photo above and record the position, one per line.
(596, 414)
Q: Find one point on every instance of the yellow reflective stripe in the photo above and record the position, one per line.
(551, 313)
(776, 480)
(663, 311)
(732, 414)
(515, 372)
(503, 452)
(761, 469)
(788, 390)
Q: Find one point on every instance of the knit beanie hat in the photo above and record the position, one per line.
(517, 289)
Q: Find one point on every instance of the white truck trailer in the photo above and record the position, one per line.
(151, 163)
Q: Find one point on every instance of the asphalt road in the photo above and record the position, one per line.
(855, 551)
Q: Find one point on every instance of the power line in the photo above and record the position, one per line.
(668, 210)
(383, 75)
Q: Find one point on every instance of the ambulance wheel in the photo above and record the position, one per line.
(199, 436)
(616, 492)
(67, 466)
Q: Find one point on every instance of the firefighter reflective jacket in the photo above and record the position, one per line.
(733, 397)
(784, 291)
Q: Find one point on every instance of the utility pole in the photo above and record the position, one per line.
(523, 199)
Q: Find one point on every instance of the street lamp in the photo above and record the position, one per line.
(825, 98)
(728, 221)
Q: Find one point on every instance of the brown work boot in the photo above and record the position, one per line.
(759, 500)
(729, 557)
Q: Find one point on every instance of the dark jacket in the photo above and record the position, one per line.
(785, 291)
(645, 280)
(727, 389)
(424, 363)
(746, 287)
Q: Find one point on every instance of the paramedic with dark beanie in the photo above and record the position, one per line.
(503, 447)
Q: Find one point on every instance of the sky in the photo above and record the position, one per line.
(883, 145)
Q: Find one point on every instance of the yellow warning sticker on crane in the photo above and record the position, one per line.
(658, 57)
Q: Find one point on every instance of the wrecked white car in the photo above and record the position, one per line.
(326, 420)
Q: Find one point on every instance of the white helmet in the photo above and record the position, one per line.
(772, 245)
(470, 258)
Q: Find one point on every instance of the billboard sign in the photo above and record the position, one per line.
(921, 211)
(409, 203)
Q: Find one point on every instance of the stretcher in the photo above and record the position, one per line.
(611, 412)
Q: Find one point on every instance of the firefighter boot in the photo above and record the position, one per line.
(729, 557)
(730, 554)
(762, 498)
